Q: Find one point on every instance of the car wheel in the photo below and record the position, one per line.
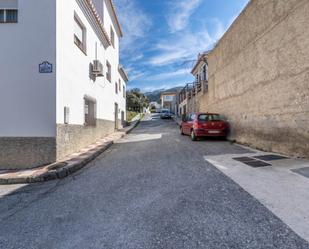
(181, 131)
(193, 137)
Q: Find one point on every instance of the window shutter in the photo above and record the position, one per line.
(78, 31)
(1, 15)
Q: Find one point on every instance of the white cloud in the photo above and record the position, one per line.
(184, 47)
(135, 24)
(180, 14)
(162, 87)
(136, 75)
(187, 45)
(167, 57)
(168, 75)
(219, 29)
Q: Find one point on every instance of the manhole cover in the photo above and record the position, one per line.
(270, 157)
(302, 171)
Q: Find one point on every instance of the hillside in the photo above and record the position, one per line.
(155, 95)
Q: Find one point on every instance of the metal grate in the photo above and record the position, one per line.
(244, 159)
(270, 157)
(250, 161)
(257, 164)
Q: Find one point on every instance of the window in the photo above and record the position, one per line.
(204, 73)
(8, 16)
(191, 117)
(1, 15)
(90, 111)
(124, 91)
(119, 85)
(109, 72)
(112, 37)
(210, 117)
(116, 87)
(79, 34)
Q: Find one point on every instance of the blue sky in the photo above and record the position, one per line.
(163, 37)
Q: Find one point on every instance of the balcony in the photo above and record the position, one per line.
(204, 85)
(193, 91)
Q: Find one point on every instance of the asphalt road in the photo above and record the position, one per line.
(151, 190)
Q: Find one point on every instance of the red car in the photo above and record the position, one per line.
(204, 125)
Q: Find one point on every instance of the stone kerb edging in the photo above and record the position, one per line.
(66, 167)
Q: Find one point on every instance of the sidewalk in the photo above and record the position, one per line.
(177, 119)
(279, 183)
(68, 165)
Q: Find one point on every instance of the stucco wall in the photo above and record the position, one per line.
(27, 97)
(74, 81)
(259, 76)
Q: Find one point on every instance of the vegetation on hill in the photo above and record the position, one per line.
(136, 100)
(154, 96)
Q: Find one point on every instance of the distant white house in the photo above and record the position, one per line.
(155, 105)
(62, 87)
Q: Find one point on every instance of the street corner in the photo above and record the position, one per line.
(279, 182)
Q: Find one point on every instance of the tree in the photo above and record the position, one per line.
(136, 100)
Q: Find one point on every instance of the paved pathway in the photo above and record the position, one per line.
(152, 189)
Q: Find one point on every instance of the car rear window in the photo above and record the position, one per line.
(210, 117)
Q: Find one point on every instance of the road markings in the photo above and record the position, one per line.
(138, 138)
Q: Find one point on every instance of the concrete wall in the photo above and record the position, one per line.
(259, 76)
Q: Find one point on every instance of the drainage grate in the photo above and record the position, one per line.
(257, 164)
(244, 159)
(270, 157)
(251, 162)
(302, 171)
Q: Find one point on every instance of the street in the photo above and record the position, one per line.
(151, 189)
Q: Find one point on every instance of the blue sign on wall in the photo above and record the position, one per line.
(46, 67)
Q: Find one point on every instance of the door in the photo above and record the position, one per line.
(116, 116)
(122, 119)
(188, 124)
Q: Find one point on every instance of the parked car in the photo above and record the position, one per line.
(165, 113)
(204, 125)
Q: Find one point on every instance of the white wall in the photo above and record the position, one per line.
(27, 98)
(113, 53)
(73, 80)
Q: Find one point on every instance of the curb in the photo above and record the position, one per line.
(62, 169)
(132, 126)
(177, 121)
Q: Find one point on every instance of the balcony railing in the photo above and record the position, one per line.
(204, 85)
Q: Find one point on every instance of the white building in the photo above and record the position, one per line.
(62, 86)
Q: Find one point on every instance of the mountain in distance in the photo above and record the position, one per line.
(154, 96)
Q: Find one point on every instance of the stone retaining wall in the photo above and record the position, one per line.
(72, 138)
(26, 152)
(259, 77)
